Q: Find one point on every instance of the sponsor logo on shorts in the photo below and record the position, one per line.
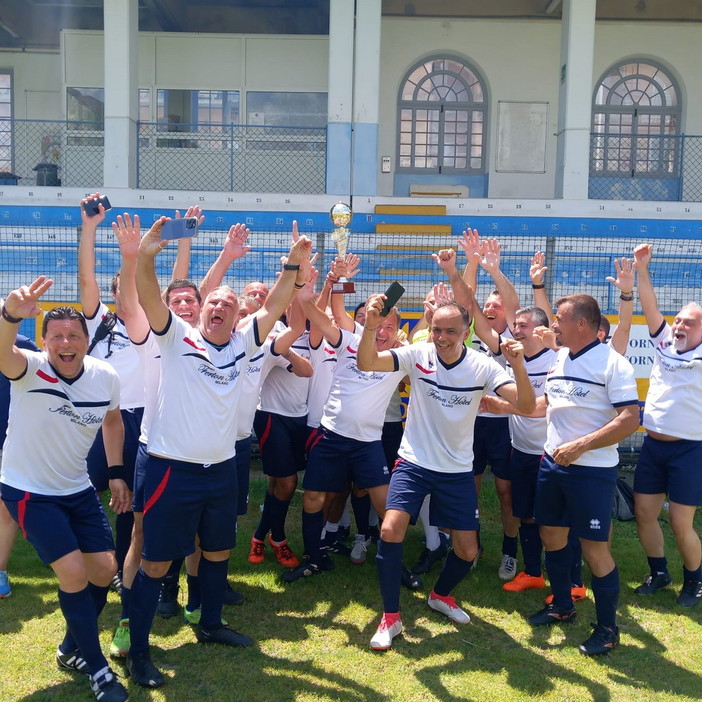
(594, 524)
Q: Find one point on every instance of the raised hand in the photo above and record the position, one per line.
(445, 259)
(625, 275)
(151, 242)
(235, 242)
(128, 235)
(490, 260)
(537, 269)
(470, 243)
(643, 254)
(22, 302)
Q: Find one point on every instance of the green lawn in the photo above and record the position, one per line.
(312, 637)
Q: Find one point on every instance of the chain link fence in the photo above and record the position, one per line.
(232, 158)
(645, 167)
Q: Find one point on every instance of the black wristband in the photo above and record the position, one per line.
(298, 286)
(116, 472)
(291, 267)
(627, 298)
(8, 318)
(538, 287)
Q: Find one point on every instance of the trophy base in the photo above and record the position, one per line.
(343, 286)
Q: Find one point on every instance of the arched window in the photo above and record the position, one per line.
(635, 117)
(442, 118)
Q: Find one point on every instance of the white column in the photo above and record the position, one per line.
(575, 99)
(366, 97)
(121, 92)
(340, 97)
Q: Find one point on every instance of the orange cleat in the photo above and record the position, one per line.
(284, 554)
(524, 581)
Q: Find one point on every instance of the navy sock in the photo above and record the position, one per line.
(605, 590)
(388, 563)
(194, 598)
(576, 562)
(531, 548)
(142, 608)
(126, 593)
(279, 512)
(452, 572)
(99, 595)
(312, 524)
(658, 565)
(264, 524)
(81, 618)
(509, 545)
(558, 565)
(361, 511)
(123, 537)
(213, 582)
(694, 575)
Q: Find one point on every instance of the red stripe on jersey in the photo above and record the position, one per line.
(265, 434)
(47, 377)
(331, 351)
(424, 370)
(22, 512)
(350, 350)
(193, 344)
(158, 491)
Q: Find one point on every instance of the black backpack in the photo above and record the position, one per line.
(623, 507)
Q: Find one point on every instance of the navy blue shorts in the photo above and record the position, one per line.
(525, 469)
(335, 459)
(243, 462)
(58, 525)
(454, 501)
(139, 474)
(492, 446)
(579, 497)
(282, 443)
(97, 461)
(672, 467)
(184, 499)
(392, 438)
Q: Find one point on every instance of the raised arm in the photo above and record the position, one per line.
(234, 247)
(157, 313)
(537, 273)
(470, 243)
(624, 282)
(89, 289)
(491, 263)
(521, 393)
(318, 319)
(282, 344)
(343, 268)
(181, 265)
(368, 358)
(642, 258)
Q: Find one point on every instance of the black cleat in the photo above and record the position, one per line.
(304, 570)
(552, 615)
(690, 594)
(602, 640)
(232, 597)
(653, 583)
(222, 635)
(142, 671)
(410, 580)
(429, 559)
(168, 598)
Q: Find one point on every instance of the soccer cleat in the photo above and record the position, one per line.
(222, 635)
(359, 552)
(193, 617)
(429, 559)
(107, 688)
(257, 551)
(168, 597)
(343, 533)
(232, 597)
(410, 580)
(524, 581)
(72, 661)
(337, 546)
(390, 626)
(284, 554)
(5, 589)
(653, 583)
(602, 640)
(552, 615)
(577, 593)
(690, 594)
(142, 671)
(447, 605)
(121, 641)
(116, 583)
(326, 562)
(305, 569)
(508, 567)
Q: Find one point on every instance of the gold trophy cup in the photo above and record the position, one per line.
(341, 215)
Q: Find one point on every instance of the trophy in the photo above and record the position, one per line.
(340, 216)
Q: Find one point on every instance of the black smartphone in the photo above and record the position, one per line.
(182, 228)
(392, 295)
(91, 206)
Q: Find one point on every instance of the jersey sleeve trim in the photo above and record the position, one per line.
(395, 361)
(626, 403)
(659, 330)
(164, 331)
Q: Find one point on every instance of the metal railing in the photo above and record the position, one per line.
(645, 167)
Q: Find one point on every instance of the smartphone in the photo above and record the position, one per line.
(392, 295)
(91, 206)
(179, 228)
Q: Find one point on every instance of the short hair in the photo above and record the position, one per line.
(584, 307)
(465, 315)
(358, 307)
(692, 306)
(226, 289)
(605, 325)
(538, 316)
(64, 312)
(179, 283)
(113, 284)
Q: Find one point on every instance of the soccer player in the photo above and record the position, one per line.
(436, 453)
(592, 404)
(64, 395)
(672, 450)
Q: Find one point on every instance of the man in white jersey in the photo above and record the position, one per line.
(671, 454)
(592, 404)
(436, 453)
(63, 396)
(190, 477)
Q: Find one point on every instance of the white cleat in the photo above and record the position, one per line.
(448, 606)
(387, 630)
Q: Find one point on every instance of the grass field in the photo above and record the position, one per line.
(312, 637)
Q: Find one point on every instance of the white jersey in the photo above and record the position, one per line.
(673, 401)
(198, 393)
(529, 433)
(323, 359)
(282, 391)
(443, 405)
(394, 411)
(53, 423)
(149, 356)
(357, 399)
(583, 391)
(119, 352)
(499, 357)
